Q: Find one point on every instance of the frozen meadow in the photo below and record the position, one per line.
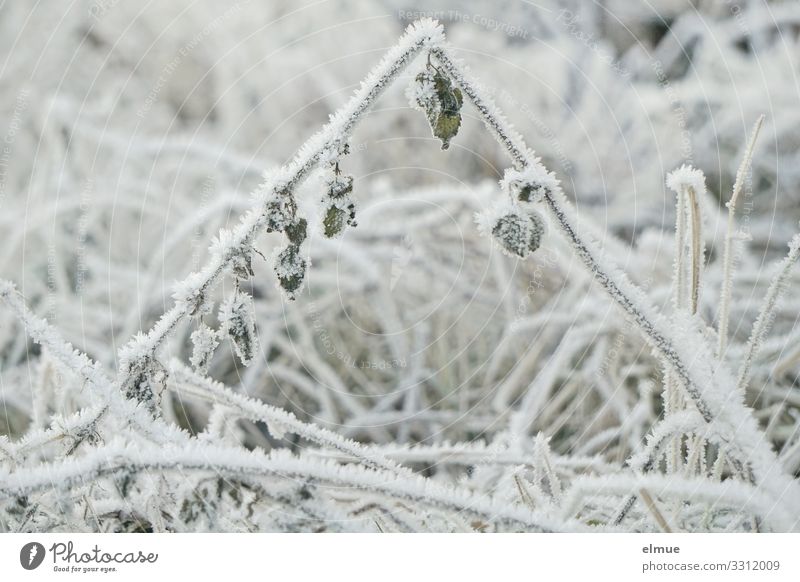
(364, 266)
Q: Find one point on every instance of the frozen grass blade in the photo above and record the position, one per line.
(727, 256)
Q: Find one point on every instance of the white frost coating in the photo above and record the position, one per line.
(730, 236)
(492, 116)
(423, 34)
(732, 493)
(344, 203)
(236, 320)
(279, 210)
(290, 263)
(42, 333)
(110, 399)
(528, 185)
(689, 257)
(338, 205)
(687, 177)
(680, 344)
(278, 420)
(62, 428)
(204, 341)
(683, 422)
(690, 186)
(116, 457)
(543, 468)
(190, 296)
(222, 244)
(421, 95)
(708, 388)
(767, 313)
(337, 185)
(514, 230)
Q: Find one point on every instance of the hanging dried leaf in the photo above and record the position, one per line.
(434, 93)
(297, 231)
(204, 341)
(147, 382)
(517, 232)
(339, 185)
(236, 320)
(338, 206)
(290, 267)
(337, 216)
(280, 212)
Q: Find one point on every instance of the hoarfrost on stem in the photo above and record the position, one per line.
(123, 455)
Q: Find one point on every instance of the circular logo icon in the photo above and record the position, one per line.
(31, 555)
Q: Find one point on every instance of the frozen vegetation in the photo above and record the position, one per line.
(413, 322)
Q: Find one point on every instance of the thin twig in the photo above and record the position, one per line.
(727, 257)
(767, 312)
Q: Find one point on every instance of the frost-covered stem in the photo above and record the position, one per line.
(695, 444)
(689, 185)
(79, 363)
(285, 180)
(618, 287)
(621, 290)
(631, 299)
(114, 458)
(664, 433)
(218, 429)
(524, 493)
(727, 254)
(693, 205)
(671, 388)
(42, 333)
(491, 115)
(767, 313)
(336, 132)
(111, 401)
(698, 378)
(76, 426)
(277, 420)
(475, 453)
(679, 262)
